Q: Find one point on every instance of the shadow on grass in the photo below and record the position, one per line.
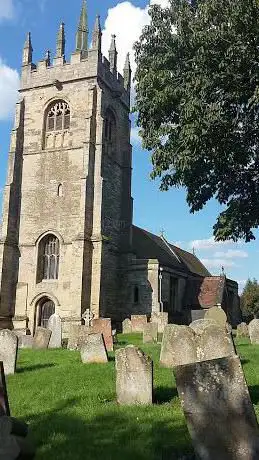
(254, 393)
(35, 367)
(164, 394)
(107, 436)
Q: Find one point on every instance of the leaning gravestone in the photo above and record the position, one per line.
(218, 315)
(4, 404)
(8, 350)
(253, 329)
(55, 326)
(199, 325)
(25, 341)
(242, 330)
(126, 326)
(77, 336)
(214, 342)
(150, 333)
(161, 319)
(134, 376)
(93, 350)
(103, 326)
(178, 346)
(138, 322)
(41, 338)
(218, 409)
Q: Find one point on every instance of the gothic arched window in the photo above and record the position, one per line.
(48, 258)
(57, 124)
(110, 132)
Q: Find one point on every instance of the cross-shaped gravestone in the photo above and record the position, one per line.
(88, 317)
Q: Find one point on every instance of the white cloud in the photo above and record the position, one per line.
(126, 21)
(231, 254)
(9, 84)
(218, 263)
(6, 9)
(210, 243)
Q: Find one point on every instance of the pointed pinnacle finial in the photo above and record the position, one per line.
(61, 41)
(113, 55)
(27, 50)
(82, 30)
(127, 73)
(97, 35)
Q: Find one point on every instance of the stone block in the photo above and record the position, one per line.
(8, 350)
(93, 350)
(217, 314)
(103, 326)
(161, 319)
(77, 336)
(25, 341)
(134, 376)
(218, 409)
(41, 338)
(253, 329)
(178, 346)
(126, 326)
(242, 330)
(4, 404)
(138, 322)
(150, 333)
(55, 326)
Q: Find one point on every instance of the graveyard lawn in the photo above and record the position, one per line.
(72, 411)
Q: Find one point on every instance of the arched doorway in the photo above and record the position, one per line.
(45, 310)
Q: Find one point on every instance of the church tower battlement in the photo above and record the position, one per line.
(67, 206)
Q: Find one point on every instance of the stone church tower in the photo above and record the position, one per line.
(67, 209)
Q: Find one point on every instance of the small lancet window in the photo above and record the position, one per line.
(60, 190)
(58, 117)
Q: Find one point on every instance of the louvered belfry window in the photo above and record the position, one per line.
(58, 117)
(48, 259)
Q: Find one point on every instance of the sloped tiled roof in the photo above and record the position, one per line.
(205, 293)
(146, 245)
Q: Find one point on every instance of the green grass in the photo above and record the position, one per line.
(72, 412)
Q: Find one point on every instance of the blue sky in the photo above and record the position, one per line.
(153, 209)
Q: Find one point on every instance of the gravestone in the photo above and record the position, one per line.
(77, 336)
(178, 346)
(126, 326)
(214, 342)
(25, 341)
(218, 409)
(242, 330)
(14, 443)
(199, 325)
(8, 350)
(55, 326)
(93, 350)
(218, 315)
(41, 338)
(103, 326)
(138, 322)
(197, 314)
(253, 329)
(161, 319)
(134, 376)
(4, 404)
(150, 333)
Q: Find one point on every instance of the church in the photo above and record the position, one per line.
(68, 242)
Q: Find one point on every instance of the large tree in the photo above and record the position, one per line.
(197, 98)
(250, 299)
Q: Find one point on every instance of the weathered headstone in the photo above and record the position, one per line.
(41, 338)
(4, 404)
(217, 314)
(134, 376)
(8, 350)
(218, 409)
(197, 314)
(103, 326)
(199, 325)
(242, 330)
(138, 322)
(253, 329)
(77, 336)
(25, 341)
(161, 319)
(178, 346)
(93, 350)
(150, 333)
(55, 326)
(126, 326)
(214, 342)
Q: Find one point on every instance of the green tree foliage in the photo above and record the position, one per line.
(250, 299)
(197, 98)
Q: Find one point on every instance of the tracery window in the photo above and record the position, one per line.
(58, 117)
(48, 258)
